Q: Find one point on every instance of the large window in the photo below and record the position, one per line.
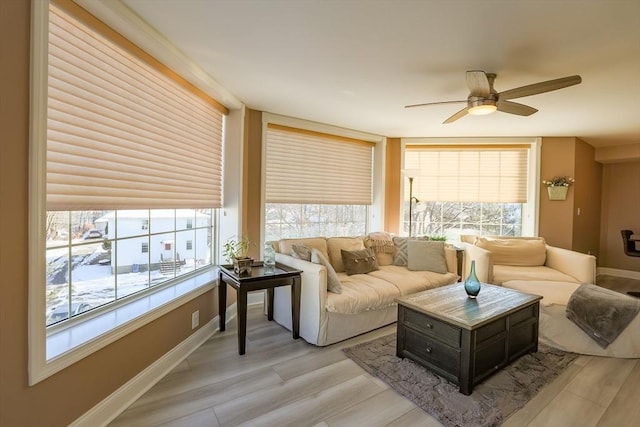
(460, 188)
(98, 257)
(126, 181)
(316, 184)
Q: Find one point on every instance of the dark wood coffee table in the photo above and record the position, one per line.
(259, 280)
(465, 340)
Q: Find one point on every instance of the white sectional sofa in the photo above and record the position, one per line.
(530, 265)
(366, 301)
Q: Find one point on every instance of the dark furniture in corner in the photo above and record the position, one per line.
(259, 280)
(629, 243)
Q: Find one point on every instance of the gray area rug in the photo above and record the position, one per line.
(491, 402)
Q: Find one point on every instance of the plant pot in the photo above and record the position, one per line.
(242, 266)
(558, 193)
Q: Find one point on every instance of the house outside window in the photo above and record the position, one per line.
(97, 222)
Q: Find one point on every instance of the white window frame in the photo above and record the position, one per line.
(530, 209)
(106, 326)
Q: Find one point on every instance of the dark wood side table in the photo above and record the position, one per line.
(466, 340)
(259, 280)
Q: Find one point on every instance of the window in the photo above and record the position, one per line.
(465, 188)
(189, 223)
(316, 184)
(189, 245)
(131, 152)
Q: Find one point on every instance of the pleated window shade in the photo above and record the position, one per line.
(121, 133)
(492, 174)
(316, 168)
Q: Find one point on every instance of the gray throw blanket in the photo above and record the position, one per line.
(601, 313)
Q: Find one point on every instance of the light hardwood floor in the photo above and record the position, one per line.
(286, 382)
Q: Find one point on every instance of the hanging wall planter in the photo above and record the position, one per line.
(558, 186)
(557, 193)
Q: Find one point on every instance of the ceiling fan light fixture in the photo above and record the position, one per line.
(482, 107)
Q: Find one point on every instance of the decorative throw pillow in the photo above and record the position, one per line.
(382, 245)
(359, 262)
(400, 255)
(301, 252)
(336, 244)
(425, 255)
(333, 281)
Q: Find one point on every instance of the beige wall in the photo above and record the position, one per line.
(556, 217)
(63, 397)
(620, 210)
(573, 223)
(252, 182)
(393, 175)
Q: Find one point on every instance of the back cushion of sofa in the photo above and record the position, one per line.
(335, 245)
(517, 252)
(285, 246)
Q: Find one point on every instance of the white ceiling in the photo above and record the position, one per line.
(356, 63)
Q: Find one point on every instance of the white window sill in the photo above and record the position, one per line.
(74, 342)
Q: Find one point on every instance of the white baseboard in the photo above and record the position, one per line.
(619, 273)
(112, 406)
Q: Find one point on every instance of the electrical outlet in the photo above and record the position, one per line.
(195, 319)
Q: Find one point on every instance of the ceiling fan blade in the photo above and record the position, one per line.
(460, 114)
(541, 87)
(515, 108)
(478, 83)
(434, 103)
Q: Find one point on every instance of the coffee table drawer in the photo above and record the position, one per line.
(435, 328)
(432, 351)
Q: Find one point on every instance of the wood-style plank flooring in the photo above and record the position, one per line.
(286, 382)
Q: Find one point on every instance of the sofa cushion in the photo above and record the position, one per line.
(409, 282)
(424, 255)
(551, 292)
(336, 244)
(359, 262)
(320, 243)
(505, 273)
(517, 252)
(401, 250)
(362, 292)
(333, 281)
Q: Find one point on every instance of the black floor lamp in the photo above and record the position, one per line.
(411, 174)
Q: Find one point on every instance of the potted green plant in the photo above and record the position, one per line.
(236, 251)
(558, 186)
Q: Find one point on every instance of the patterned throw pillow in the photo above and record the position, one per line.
(401, 254)
(359, 262)
(301, 252)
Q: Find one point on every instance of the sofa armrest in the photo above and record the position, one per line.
(451, 255)
(313, 299)
(483, 259)
(575, 264)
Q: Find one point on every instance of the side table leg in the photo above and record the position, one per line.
(242, 321)
(270, 295)
(222, 303)
(295, 306)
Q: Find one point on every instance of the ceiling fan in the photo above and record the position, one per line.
(483, 98)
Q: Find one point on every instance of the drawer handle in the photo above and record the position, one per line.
(428, 349)
(429, 326)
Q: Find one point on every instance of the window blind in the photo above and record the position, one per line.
(311, 167)
(492, 174)
(121, 134)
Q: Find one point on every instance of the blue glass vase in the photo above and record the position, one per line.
(472, 284)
